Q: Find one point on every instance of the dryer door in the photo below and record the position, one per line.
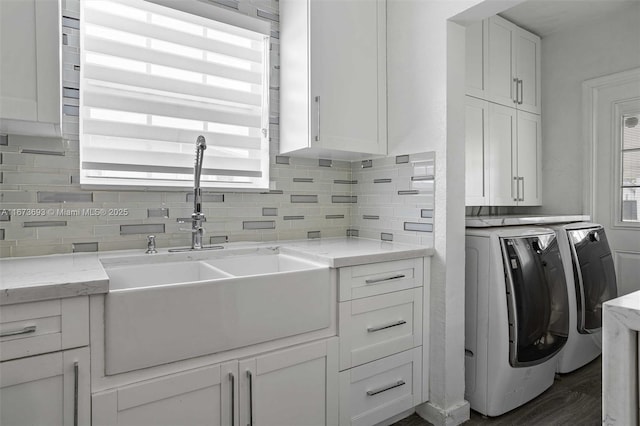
(536, 299)
(593, 274)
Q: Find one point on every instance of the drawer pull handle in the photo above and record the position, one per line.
(379, 280)
(232, 378)
(386, 388)
(76, 378)
(250, 378)
(384, 327)
(27, 330)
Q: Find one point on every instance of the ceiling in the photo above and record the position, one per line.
(544, 17)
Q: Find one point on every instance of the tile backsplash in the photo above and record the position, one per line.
(44, 210)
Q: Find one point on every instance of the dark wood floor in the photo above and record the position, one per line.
(573, 399)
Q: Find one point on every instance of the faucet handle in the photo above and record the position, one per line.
(151, 244)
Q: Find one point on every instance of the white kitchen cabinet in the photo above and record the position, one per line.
(30, 48)
(333, 78)
(513, 66)
(297, 385)
(477, 39)
(514, 157)
(51, 389)
(476, 152)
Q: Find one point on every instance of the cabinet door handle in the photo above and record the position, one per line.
(515, 179)
(318, 106)
(379, 280)
(250, 378)
(521, 97)
(76, 378)
(384, 327)
(386, 388)
(515, 91)
(26, 330)
(232, 379)
(521, 179)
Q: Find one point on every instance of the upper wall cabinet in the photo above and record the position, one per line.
(503, 64)
(30, 67)
(333, 78)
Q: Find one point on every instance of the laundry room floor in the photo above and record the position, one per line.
(573, 399)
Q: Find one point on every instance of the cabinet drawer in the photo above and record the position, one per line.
(381, 389)
(39, 327)
(379, 326)
(360, 281)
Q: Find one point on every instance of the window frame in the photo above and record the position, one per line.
(621, 109)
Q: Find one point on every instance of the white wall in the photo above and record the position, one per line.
(608, 45)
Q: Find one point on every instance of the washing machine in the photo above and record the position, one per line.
(591, 281)
(517, 315)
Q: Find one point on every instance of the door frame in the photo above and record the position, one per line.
(590, 92)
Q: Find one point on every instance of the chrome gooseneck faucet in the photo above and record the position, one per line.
(197, 217)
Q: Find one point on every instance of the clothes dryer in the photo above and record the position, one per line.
(591, 281)
(517, 316)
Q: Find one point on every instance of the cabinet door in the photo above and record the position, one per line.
(30, 66)
(501, 62)
(297, 386)
(502, 156)
(41, 390)
(529, 159)
(476, 62)
(348, 75)
(476, 152)
(527, 54)
(194, 397)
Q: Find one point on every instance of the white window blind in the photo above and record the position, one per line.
(152, 79)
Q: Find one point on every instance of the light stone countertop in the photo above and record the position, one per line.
(29, 279)
(514, 220)
(620, 360)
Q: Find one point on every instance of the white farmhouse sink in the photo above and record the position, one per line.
(162, 312)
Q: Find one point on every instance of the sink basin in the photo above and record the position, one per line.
(145, 275)
(259, 264)
(178, 308)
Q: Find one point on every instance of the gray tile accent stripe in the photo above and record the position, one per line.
(4, 140)
(44, 223)
(228, 3)
(218, 239)
(159, 212)
(427, 213)
(345, 182)
(207, 197)
(84, 247)
(352, 233)
(304, 198)
(65, 197)
(268, 15)
(71, 22)
(281, 159)
(1, 234)
(269, 211)
(344, 198)
(420, 178)
(293, 217)
(71, 110)
(313, 234)
(187, 219)
(70, 92)
(402, 159)
(273, 192)
(149, 228)
(334, 216)
(275, 120)
(323, 162)
(420, 227)
(370, 217)
(275, 34)
(386, 236)
(366, 164)
(42, 152)
(259, 224)
(303, 180)
(408, 192)
(382, 181)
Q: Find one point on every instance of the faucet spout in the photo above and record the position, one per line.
(197, 217)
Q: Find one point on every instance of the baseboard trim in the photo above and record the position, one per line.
(438, 416)
(396, 418)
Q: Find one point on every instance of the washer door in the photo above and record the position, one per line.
(594, 276)
(536, 299)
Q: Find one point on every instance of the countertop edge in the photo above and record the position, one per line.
(49, 291)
